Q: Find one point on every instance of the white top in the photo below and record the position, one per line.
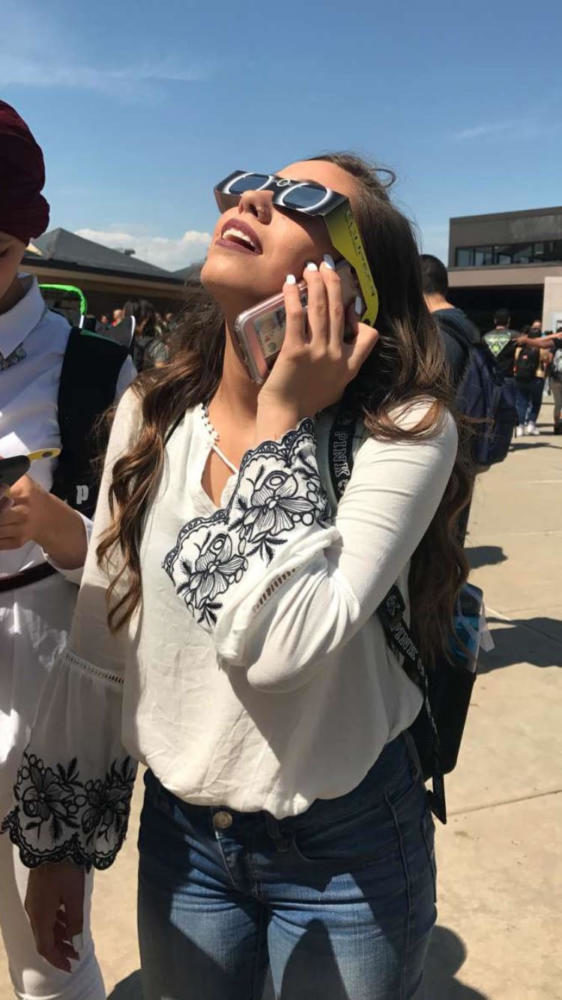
(34, 620)
(257, 675)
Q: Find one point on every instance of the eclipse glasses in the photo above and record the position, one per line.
(310, 198)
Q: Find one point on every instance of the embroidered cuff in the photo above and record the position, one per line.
(58, 815)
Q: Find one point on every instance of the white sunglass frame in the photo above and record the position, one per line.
(281, 182)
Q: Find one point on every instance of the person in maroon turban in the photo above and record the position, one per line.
(24, 212)
(37, 577)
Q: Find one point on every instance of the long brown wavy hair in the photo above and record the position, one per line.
(407, 364)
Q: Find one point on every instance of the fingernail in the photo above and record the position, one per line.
(359, 307)
(290, 279)
(329, 261)
(311, 266)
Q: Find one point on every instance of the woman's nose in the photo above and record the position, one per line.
(258, 203)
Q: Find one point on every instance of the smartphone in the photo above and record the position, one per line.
(12, 469)
(260, 331)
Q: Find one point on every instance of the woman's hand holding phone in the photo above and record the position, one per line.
(316, 363)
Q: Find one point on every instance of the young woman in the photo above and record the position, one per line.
(43, 541)
(285, 820)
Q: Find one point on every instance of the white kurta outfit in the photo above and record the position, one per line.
(34, 620)
(256, 675)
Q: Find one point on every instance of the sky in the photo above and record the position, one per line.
(140, 106)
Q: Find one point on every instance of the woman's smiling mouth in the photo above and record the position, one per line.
(238, 235)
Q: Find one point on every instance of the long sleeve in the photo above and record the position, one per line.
(75, 781)
(281, 586)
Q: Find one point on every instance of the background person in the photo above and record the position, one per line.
(530, 367)
(552, 343)
(457, 331)
(502, 341)
(264, 837)
(42, 543)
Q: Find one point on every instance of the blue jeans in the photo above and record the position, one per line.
(339, 902)
(528, 400)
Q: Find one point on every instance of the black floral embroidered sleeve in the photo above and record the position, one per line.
(278, 500)
(57, 815)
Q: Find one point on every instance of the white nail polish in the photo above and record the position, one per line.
(329, 261)
(311, 266)
(359, 307)
(290, 279)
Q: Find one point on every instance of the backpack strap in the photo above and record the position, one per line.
(391, 610)
(87, 387)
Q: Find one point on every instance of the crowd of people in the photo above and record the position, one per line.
(227, 632)
(150, 335)
(532, 361)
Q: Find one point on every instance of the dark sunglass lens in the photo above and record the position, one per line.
(250, 182)
(305, 197)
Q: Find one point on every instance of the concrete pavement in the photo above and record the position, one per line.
(500, 857)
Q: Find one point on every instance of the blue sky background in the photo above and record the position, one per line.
(141, 105)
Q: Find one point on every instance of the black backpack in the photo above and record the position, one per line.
(526, 364)
(438, 729)
(88, 382)
(485, 397)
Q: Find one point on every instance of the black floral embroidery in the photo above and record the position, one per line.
(210, 574)
(274, 507)
(278, 489)
(83, 821)
(49, 797)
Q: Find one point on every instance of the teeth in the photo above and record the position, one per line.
(232, 231)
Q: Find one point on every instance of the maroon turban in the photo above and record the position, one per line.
(24, 212)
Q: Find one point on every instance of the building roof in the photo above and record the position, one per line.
(524, 213)
(65, 247)
(190, 273)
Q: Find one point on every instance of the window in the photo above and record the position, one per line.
(464, 257)
(509, 253)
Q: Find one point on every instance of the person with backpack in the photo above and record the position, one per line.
(482, 394)
(551, 342)
(530, 367)
(458, 332)
(227, 632)
(53, 384)
(502, 342)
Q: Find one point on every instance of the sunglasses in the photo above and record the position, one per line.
(310, 198)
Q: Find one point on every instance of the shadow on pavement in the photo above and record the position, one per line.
(522, 445)
(446, 955)
(484, 555)
(128, 989)
(537, 641)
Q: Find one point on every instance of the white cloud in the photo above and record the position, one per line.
(128, 81)
(478, 131)
(38, 49)
(164, 251)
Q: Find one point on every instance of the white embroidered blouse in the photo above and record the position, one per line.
(256, 675)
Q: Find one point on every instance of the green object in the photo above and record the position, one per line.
(74, 292)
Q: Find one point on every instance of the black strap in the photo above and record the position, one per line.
(87, 387)
(27, 577)
(391, 610)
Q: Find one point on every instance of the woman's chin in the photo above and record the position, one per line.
(227, 278)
